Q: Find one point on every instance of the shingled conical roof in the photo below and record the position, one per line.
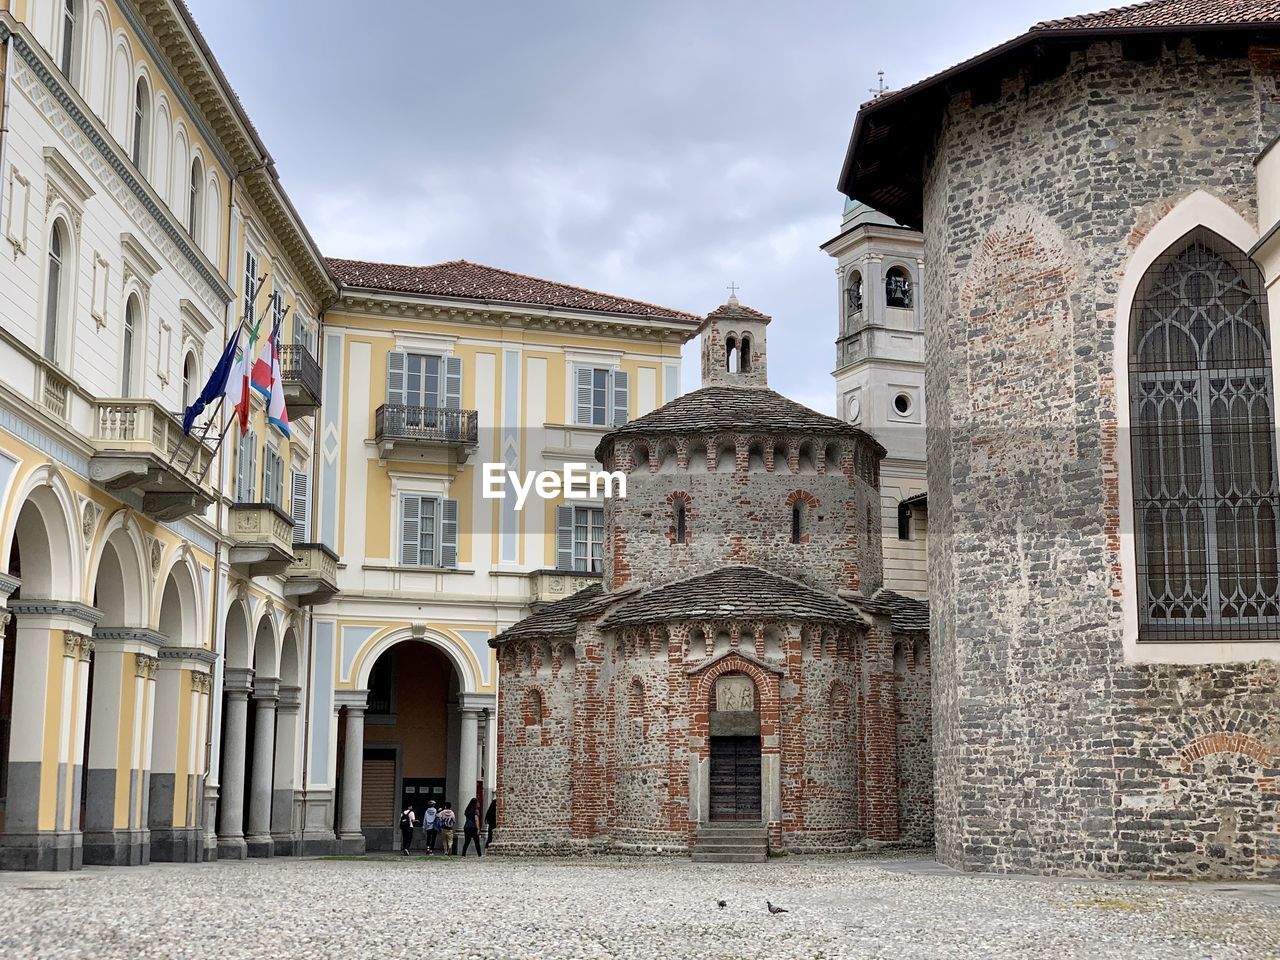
(714, 409)
(732, 593)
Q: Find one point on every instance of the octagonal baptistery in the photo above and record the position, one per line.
(739, 671)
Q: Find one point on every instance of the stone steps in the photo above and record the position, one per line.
(731, 842)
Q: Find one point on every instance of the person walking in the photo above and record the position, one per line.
(471, 827)
(491, 820)
(448, 820)
(407, 822)
(431, 825)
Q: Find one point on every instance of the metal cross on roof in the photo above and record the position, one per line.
(880, 87)
(732, 288)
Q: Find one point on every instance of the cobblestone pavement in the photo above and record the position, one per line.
(440, 907)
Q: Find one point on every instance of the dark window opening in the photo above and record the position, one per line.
(904, 521)
(381, 678)
(897, 288)
(797, 523)
(680, 521)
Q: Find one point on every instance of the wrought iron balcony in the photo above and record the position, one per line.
(313, 576)
(418, 433)
(261, 539)
(300, 373)
(141, 448)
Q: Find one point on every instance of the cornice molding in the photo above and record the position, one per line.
(142, 635)
(196, 654)
(80, 612)
(392, 307)
(69, 100)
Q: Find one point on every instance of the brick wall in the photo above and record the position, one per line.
(1053, 754)
(738, 492)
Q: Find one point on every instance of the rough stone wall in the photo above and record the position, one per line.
(640, 747)
(738, 510)
(915, 740)
(1053, 754)
(535, 728)
(820, 723)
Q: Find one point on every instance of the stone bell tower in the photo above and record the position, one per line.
(733, 346)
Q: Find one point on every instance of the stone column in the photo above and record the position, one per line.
(468, 771)
(44, 749)
(350, 837)
(288, 734)
(231, 844)
(266, 693)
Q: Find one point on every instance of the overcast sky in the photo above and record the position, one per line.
(656, 149)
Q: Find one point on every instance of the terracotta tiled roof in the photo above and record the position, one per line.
(464, 280)
(1170, 13)
(735, 309)
(738, 592)
(881, 168)
(714, 409)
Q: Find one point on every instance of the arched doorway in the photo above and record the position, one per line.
(237, 685)
(734, 728)
(260, 740)
(173, 801)
(119, 700)
(412, 744)
(287, 795)
(45, 671)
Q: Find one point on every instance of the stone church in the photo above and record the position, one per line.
(1100, 205)
(739, 677)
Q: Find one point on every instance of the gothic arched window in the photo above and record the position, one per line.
(1204, 462)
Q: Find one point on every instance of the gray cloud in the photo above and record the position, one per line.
(656, 149)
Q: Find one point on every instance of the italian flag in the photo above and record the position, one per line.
(238, 383)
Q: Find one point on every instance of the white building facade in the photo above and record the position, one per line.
(880, 375)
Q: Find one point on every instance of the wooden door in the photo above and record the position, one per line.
(735, 778)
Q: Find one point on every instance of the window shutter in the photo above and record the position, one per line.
(410, 530)
(268, 474)
(395, 377)
(564, 538)
(253, 464)
(582, 378)
(242, 470)
(449, 533)
(619, 397)
(300, 506)
(453, 383)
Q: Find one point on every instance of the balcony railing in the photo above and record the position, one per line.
(261, 539)
(301, 375)
(313, 575)
(141, 447)
(416, 429)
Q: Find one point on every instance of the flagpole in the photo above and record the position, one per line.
(195, 451)
(205, 472)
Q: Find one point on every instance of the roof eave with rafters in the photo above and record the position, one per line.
(890, 181)
(178, 36)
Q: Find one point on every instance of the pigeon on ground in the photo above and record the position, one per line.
(773, 909)
(721, 904)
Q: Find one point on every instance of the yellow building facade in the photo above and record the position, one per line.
(258, 646)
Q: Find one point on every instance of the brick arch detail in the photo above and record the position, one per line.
(768, 705)
(803, 496)
(1223, 742)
